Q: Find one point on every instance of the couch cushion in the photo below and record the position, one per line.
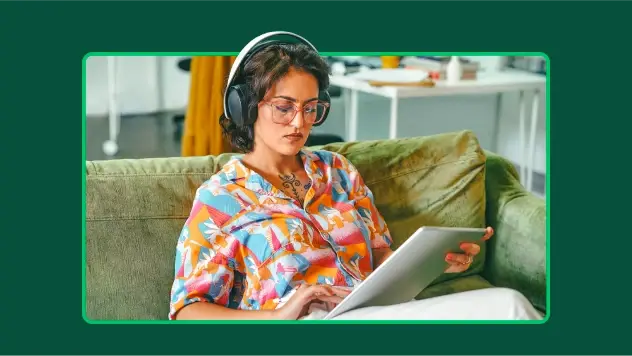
(136, 208)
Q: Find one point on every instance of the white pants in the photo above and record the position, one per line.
(481, 304)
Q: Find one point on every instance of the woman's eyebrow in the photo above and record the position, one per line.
(293, 99)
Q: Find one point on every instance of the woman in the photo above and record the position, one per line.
(283, 232)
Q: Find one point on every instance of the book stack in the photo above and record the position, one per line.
(436, 66)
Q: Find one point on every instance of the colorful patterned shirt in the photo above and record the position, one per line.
(246, 244)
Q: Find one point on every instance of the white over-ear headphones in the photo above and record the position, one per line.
(236, 96)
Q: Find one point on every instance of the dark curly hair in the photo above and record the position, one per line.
(263, 70)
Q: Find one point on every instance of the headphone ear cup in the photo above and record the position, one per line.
(253, 111)
(238, 104)
(323, 96)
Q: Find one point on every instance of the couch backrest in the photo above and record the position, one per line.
(136, 208)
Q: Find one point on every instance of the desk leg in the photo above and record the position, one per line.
(353, 116)
(496, 134)
(393, 122)
(523, 144)
(534, 125)
(110, 147)
(346, 101)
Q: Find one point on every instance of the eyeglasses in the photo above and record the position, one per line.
(283, 112)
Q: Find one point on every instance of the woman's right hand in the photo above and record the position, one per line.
(299, 303)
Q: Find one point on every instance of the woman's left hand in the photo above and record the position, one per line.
(460, 262)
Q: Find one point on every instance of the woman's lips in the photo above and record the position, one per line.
(294, 137)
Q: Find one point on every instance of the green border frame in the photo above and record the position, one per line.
(345, 322)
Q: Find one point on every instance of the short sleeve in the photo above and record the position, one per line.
(364, 202)
(204, 268)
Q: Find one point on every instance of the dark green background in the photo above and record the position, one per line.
(41, 48)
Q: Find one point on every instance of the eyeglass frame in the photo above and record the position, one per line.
(296, 110)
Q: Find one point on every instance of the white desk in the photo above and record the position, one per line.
(498, 83)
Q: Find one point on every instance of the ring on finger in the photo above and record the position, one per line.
(470, 259)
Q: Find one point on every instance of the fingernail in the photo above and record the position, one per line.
(449, 257)
(463, 245)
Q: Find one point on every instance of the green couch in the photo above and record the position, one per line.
(136, 208)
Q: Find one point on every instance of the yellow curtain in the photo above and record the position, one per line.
(202, 133)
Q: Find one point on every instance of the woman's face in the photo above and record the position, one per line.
(287, 113)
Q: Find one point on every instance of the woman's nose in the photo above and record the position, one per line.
(298, 120)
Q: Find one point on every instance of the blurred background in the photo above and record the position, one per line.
(164, 106)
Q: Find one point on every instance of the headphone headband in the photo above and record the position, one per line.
(246, 50)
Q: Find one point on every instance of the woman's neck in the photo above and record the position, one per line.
(273, 163)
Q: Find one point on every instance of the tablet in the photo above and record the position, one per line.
(411, 268)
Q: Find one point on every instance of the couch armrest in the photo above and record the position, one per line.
(516, 255)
